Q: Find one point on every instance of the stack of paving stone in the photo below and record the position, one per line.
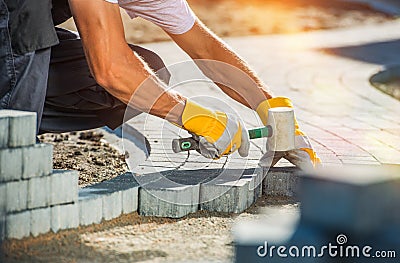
(348, 207)
(35, 199)
(177, 193)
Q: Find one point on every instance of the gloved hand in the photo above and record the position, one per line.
(219, 133)
(304, 157)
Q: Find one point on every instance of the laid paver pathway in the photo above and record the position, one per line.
(326, 73)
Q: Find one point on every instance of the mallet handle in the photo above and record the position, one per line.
(188, 144)
(260, 132)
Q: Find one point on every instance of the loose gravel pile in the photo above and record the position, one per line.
(87, 153)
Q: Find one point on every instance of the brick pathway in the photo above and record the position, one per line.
(327, 75)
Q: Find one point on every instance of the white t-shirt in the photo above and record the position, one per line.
(174, 16)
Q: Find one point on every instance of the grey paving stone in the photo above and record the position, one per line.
(22, 127)
(118, 195)
(165, 198)
(255, 185)
(4, 127)
(130, 200)
(64, 217)
(38, 192)
(3, 197)
(17, 195)
(90, 208)
(230, 197)
(18, 225)
(190, 176)
(63, 187)
(10, 164)
(281, 181)
(112, 205)
(353, 198)
(2, 226)
(255, 175)
(232, 191)
(3, 201)
(37, 160)
(40, 221)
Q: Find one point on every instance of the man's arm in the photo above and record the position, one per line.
(113, 64)
(200, 43)
(244, 85)
(121, 72)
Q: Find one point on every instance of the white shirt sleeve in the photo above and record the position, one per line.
(112, 1)
(174, 16)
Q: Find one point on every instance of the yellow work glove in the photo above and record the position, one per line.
(303, 156)
(219, 133)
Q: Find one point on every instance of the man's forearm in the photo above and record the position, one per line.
(230, 72)
(115, 67)
(134, 83)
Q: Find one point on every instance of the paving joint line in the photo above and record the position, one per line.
(343, 139)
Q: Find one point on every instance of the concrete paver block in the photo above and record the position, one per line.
(22, 127)
(64, 217)
(10, 164)
(130, 200)
(3, 197)
(37, 160)
(112, 205)
(117, 195)
(63, 187)
(17, 195)
(355, 198)
(3, 201)
(2, 226)
(18, 225)
(255, 180)
(164, 198)
(38, 192)
(40, 221)
(90, 210)
(230, 197)
(281, 181)
(233, 191)
(4, 127)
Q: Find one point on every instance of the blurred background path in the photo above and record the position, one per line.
(327, 74)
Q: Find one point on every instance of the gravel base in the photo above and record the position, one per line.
(199, 237)
(87, 153)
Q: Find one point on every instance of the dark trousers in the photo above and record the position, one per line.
(23, 77)
(74, 101)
